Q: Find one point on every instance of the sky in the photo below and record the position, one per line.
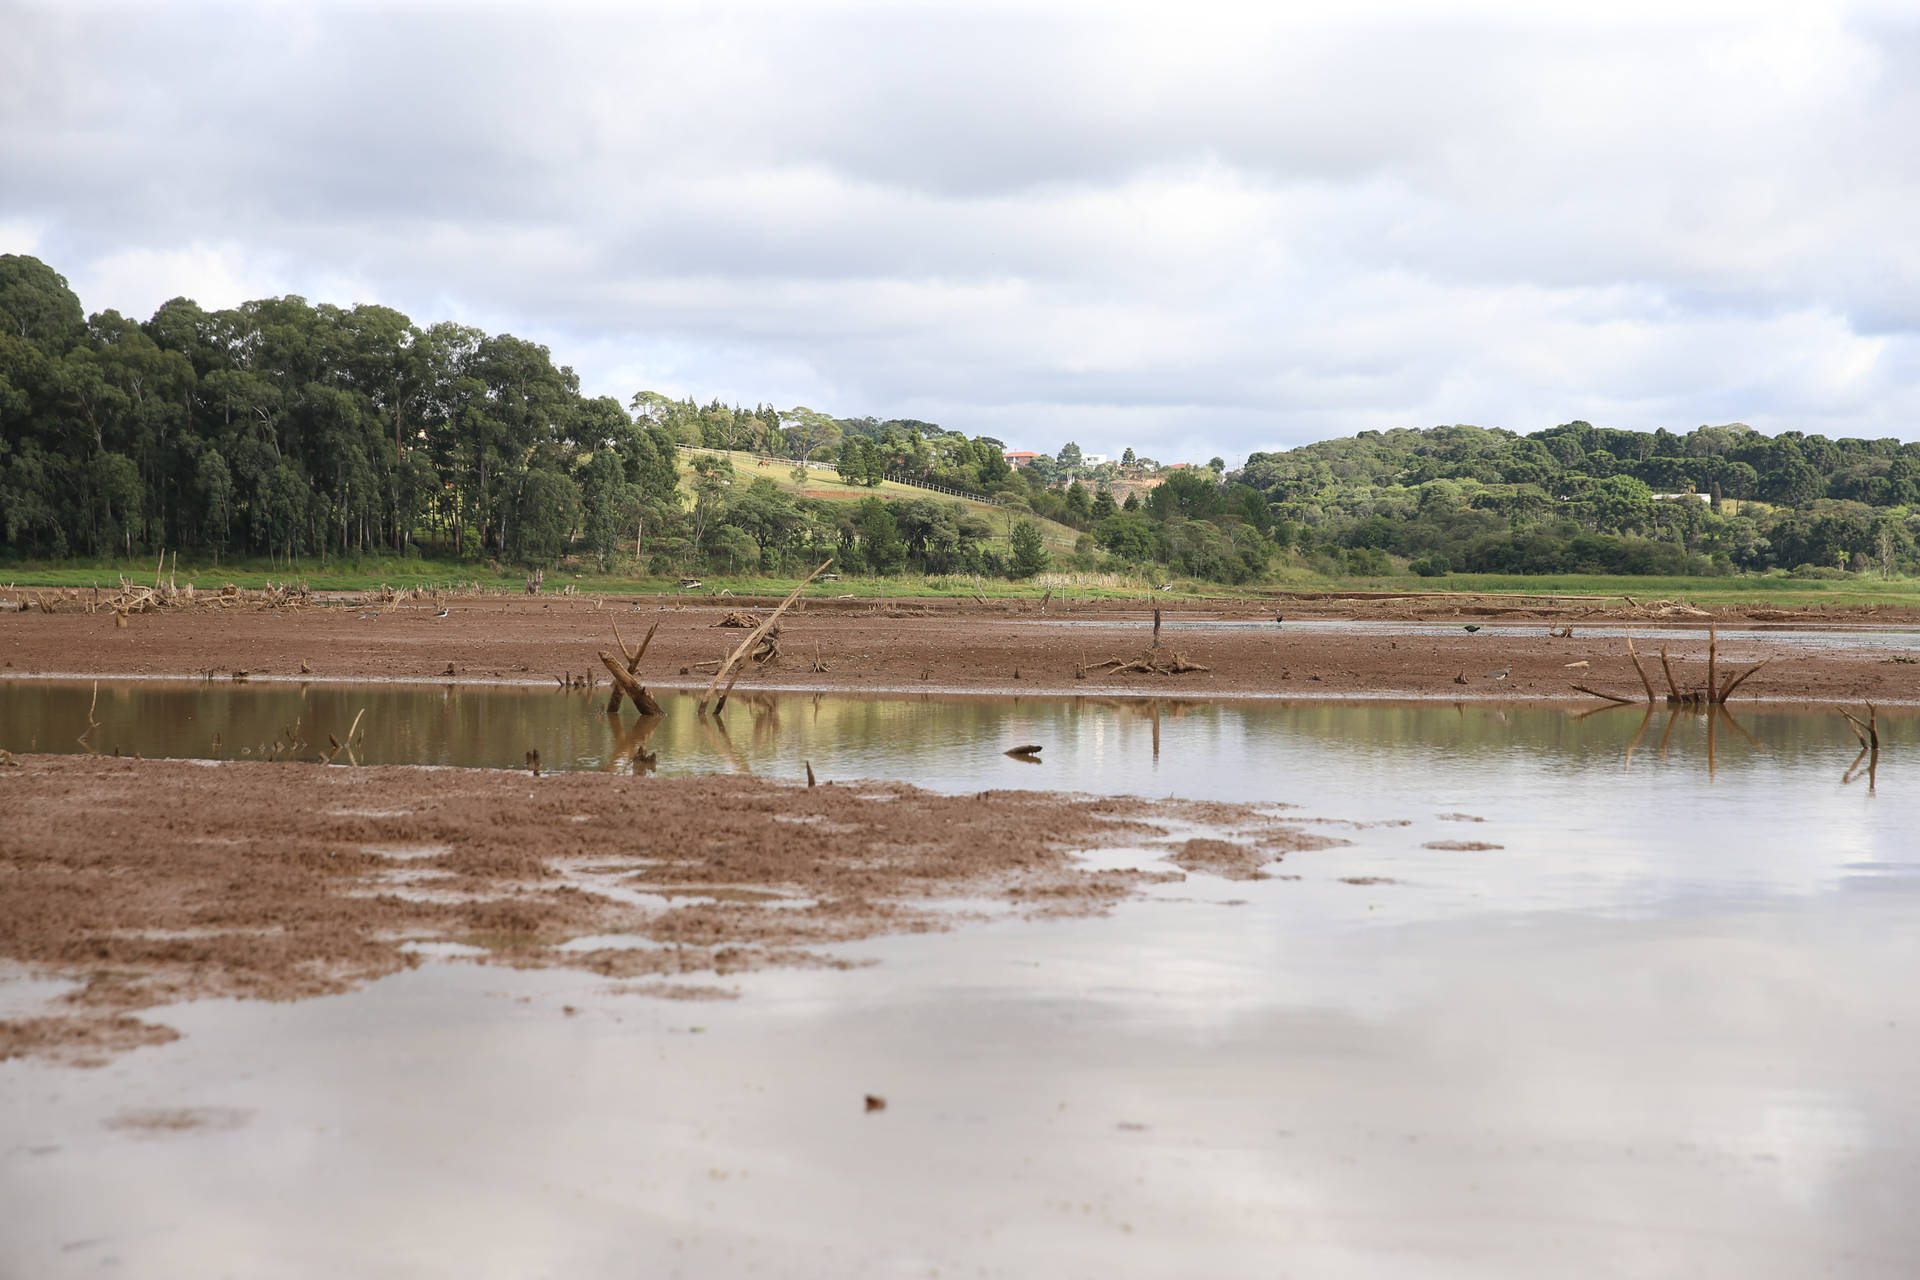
(1189, 229)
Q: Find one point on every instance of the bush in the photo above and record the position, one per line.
(1820, 573)
(1432, 567)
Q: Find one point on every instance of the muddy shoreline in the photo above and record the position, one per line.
(997, 647)
(145, 883)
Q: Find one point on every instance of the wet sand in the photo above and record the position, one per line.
(149, 883)
(867, 646)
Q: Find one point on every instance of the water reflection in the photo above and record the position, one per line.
(1090, 742)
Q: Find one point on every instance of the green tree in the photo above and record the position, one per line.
(886, 550)
(1079, 504)
(1029, 550)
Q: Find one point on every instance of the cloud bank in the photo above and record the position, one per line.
(1189, 231)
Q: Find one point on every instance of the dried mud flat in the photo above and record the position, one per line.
(1017, 646)
(147, 883)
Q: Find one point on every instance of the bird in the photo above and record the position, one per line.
(1501, 674)
(443, 613)
(1471, 627)
(368, 617)
(1279, 618)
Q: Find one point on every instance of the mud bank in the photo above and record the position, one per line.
(995, 647)
(147, 883)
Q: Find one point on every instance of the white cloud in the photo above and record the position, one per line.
(1222, 228)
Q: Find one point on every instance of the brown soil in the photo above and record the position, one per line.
(998, 647)
(1237, 860)
(158, 881)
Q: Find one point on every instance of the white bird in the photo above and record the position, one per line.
(443, 613)
(1501, 674)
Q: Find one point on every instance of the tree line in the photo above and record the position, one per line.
(289, 430)
(1586, 499)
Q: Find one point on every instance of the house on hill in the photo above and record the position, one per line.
(1019, 457)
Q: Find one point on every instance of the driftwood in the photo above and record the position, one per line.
(1029, 752)
(746, 646)
(1152, 662)
(769, 649)
(624, 683)
(1608, 696)
(1708, 696)
(735, 618)
(633, 669)
(1869, 735)
(1868, 730)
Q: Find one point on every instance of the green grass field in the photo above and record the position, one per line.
(369, 573)
(824, 482)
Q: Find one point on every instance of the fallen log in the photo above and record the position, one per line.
(625, 683)
(1172, 663)
(1608, 696)
(633, 666)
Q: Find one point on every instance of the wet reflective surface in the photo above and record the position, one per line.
(1662, 1022)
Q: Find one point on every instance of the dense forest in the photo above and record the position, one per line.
(292, 431)
(1579, 498)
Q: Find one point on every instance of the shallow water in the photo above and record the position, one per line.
(1665, 1026)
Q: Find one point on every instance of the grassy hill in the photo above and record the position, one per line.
(823, 482)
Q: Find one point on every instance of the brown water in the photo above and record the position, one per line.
(1665, 1026)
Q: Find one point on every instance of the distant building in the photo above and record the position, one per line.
(1019, 457)
(1683, 497)
(1094, 459)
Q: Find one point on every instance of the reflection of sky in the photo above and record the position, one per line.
(1667, 1027)
(1142, 1094)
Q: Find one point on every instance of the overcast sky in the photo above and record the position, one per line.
(1186, 229)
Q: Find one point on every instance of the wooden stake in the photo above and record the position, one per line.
(1673, 690)
(1644, 682)
(1713, 655)
(1741, 679)
(1608, 696)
